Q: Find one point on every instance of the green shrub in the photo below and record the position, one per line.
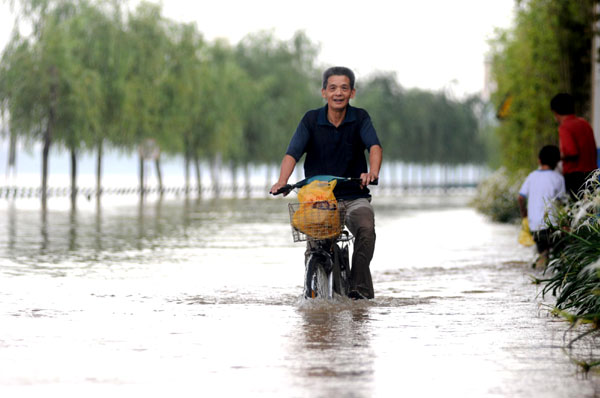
(496, 196)
(575, 259)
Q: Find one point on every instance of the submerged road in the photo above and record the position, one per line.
(191, 298)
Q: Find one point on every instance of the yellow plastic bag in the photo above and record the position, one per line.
(525, 237)
(318, 214)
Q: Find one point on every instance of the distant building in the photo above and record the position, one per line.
(489, 85)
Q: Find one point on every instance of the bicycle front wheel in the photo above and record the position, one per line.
(315, 279)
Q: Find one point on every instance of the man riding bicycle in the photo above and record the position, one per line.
(334, 139)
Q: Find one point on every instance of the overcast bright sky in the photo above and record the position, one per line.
(436, 44)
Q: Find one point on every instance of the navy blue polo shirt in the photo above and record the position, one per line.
(337, 151)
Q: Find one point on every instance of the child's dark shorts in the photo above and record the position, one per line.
(542, 239)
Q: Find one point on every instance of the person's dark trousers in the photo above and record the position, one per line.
(575, 182)
(360, 220)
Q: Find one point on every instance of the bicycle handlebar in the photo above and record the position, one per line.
(288, 187)
(285, 189)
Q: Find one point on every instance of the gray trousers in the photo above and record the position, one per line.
(360, 221)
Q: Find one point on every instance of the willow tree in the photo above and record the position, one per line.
(223, 105)
(143, 102)
(37, 72)
(183, 94)
(84, 100)
(101, 51)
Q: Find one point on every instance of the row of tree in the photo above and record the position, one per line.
(547, 51)
(423, 126)
(93, 74)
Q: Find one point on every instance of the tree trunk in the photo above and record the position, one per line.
(393, 174)
(268, 177)
(198, 175)
(186, 166)
(12, 156)
(45, 152)
(215, 174)
(248, 181)
(142, 185)
(446, 181)
(159, 175)
(99, 169)
(234, 179)
(73, 178)
(48, 135)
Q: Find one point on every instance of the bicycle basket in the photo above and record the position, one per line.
(317, 220)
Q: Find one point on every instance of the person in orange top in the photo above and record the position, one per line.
(576, 142)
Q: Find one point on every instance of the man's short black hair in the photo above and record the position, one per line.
(549, 156)
(338, 71)
(563, 104)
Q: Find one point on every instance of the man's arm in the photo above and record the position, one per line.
(287, 168)
(375, 158)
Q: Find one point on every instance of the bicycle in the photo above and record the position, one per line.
(327, 264)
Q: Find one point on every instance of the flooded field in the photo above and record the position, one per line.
(201, 298)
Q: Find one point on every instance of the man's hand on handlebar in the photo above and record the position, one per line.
(276, 187)
(367, 178)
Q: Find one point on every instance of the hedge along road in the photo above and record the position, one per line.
(194, 296)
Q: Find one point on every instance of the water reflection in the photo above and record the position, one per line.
(158, 216)
(140, 223)
(73, 228)
(333, 350)
(44, 229)
(92, 231)
(98, 226)
(186, 213)
(329, 327)
(12, 225)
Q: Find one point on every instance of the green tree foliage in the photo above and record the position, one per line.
(54, 83)
(420, 126)
(17, 91)
(224, 91)
(286, 85)
(181, 87)
(547, 51)
(147, 44)
(49, 90)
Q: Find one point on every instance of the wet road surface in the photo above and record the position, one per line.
(191, 298)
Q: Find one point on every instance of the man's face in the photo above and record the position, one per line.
(338, 92)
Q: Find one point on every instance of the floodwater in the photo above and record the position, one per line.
(198, 298)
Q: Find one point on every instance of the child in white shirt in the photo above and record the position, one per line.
(540, 189)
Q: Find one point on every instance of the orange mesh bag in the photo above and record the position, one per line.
(318, 214)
